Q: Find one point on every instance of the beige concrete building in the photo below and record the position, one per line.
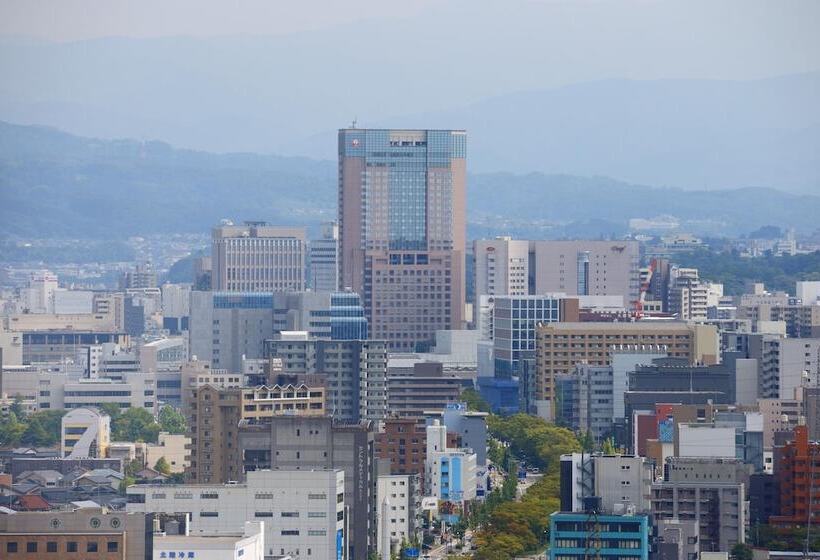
(402, 230)
(264, 402)
(587, 268)
(11, 347)
(87, 533)
(501, 267)
(779, 415)
(257, 257)
(215, 414)
(560, 346)
(505, 266)
(174, 447)
(96, 322)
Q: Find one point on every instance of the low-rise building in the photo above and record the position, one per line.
(85, 432)
(577, 536)
(172, 447)
(248, 544)
(717, 507)
(303, 511)
(88, 533)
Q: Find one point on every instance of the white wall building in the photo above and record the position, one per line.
(450, 474)
(501, 267)
(323, 259)
(176, 300)
(303, 511)
(705, 441)
(136, 390)
(809, 292)
(38, 296)
(398, 506)
(70, 302)
(246, 545)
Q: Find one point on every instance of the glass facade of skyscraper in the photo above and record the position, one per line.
(347, 320)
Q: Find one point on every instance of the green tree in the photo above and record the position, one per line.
(132, 468)
(135, 424)
(508, 528)
(11, 431)
(126, 482)
(586, 441)
(162, 466)
(172, 420)
(17, 408)
(113, 410)
(51, 421)
(741, 551)
(474, 401)
(608, 447)
(36, 435)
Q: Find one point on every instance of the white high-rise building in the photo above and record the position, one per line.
(808, 292)
(323, 260)
(450, 474)
(502, 267)
(688, 297)
(38, 296)
(176, 300)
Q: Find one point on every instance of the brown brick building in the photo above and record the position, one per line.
(798, 463)
(215, 415)
(403, 442)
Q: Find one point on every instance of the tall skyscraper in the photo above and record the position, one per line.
(257, 257)
(323, 259)
(402, 228)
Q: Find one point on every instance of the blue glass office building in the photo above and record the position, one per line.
(347, 320)
(578, 536)
(515, 319)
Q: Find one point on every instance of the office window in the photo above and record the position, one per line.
(71, 546)
(31, 547)
(92, 546)
(51, 546)
(113, 546)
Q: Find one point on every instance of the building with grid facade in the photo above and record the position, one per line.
(256, 257)
(402, 228)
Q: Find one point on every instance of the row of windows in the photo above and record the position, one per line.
(13, 547)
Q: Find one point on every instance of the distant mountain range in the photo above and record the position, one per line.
(288, 95)
(54, 184)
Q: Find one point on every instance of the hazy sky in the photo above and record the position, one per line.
(67, 20)
(281, 76)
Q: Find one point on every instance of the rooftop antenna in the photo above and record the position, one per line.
(353, 124)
